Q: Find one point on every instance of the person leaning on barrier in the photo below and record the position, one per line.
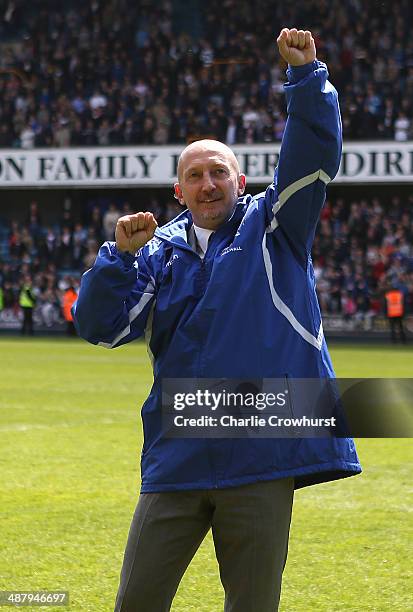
(225, 290)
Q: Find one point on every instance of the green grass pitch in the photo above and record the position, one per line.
(69, 464)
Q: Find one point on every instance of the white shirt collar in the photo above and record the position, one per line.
(198, 239)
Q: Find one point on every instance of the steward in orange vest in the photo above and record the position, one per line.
(395, 303)
(69, 298)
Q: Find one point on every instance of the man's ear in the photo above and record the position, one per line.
(242, 182)
(178, 194)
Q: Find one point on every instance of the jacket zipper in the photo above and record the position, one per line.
(209, 442)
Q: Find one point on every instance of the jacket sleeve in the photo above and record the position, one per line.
(115, 298)
(309, 157)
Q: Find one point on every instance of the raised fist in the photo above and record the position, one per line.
(133, 231)
(297, 47)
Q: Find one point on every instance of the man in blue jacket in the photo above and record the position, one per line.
(225, 290)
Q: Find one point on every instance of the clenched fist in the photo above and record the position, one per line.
(133, 231)
(297, 47)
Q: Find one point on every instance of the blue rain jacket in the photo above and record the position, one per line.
(247, 310)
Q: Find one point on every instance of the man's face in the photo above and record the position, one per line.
(209, 182)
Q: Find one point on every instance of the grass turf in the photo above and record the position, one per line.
(69, 460)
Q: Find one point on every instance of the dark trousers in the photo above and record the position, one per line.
(70, 328)
(250, 527)
(396, 325)
(27, 327)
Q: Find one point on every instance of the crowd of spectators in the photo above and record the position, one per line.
(94, 73)
(361, 249)
(54, 255)
(125, 72)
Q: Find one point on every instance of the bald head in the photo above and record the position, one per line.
(204, 146)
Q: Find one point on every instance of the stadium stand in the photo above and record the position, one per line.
(130, 73)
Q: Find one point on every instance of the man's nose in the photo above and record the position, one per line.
(208, 183)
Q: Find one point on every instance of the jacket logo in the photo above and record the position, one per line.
(173, 258)
(230, 250)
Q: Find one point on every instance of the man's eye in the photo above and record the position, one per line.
(220, 171)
